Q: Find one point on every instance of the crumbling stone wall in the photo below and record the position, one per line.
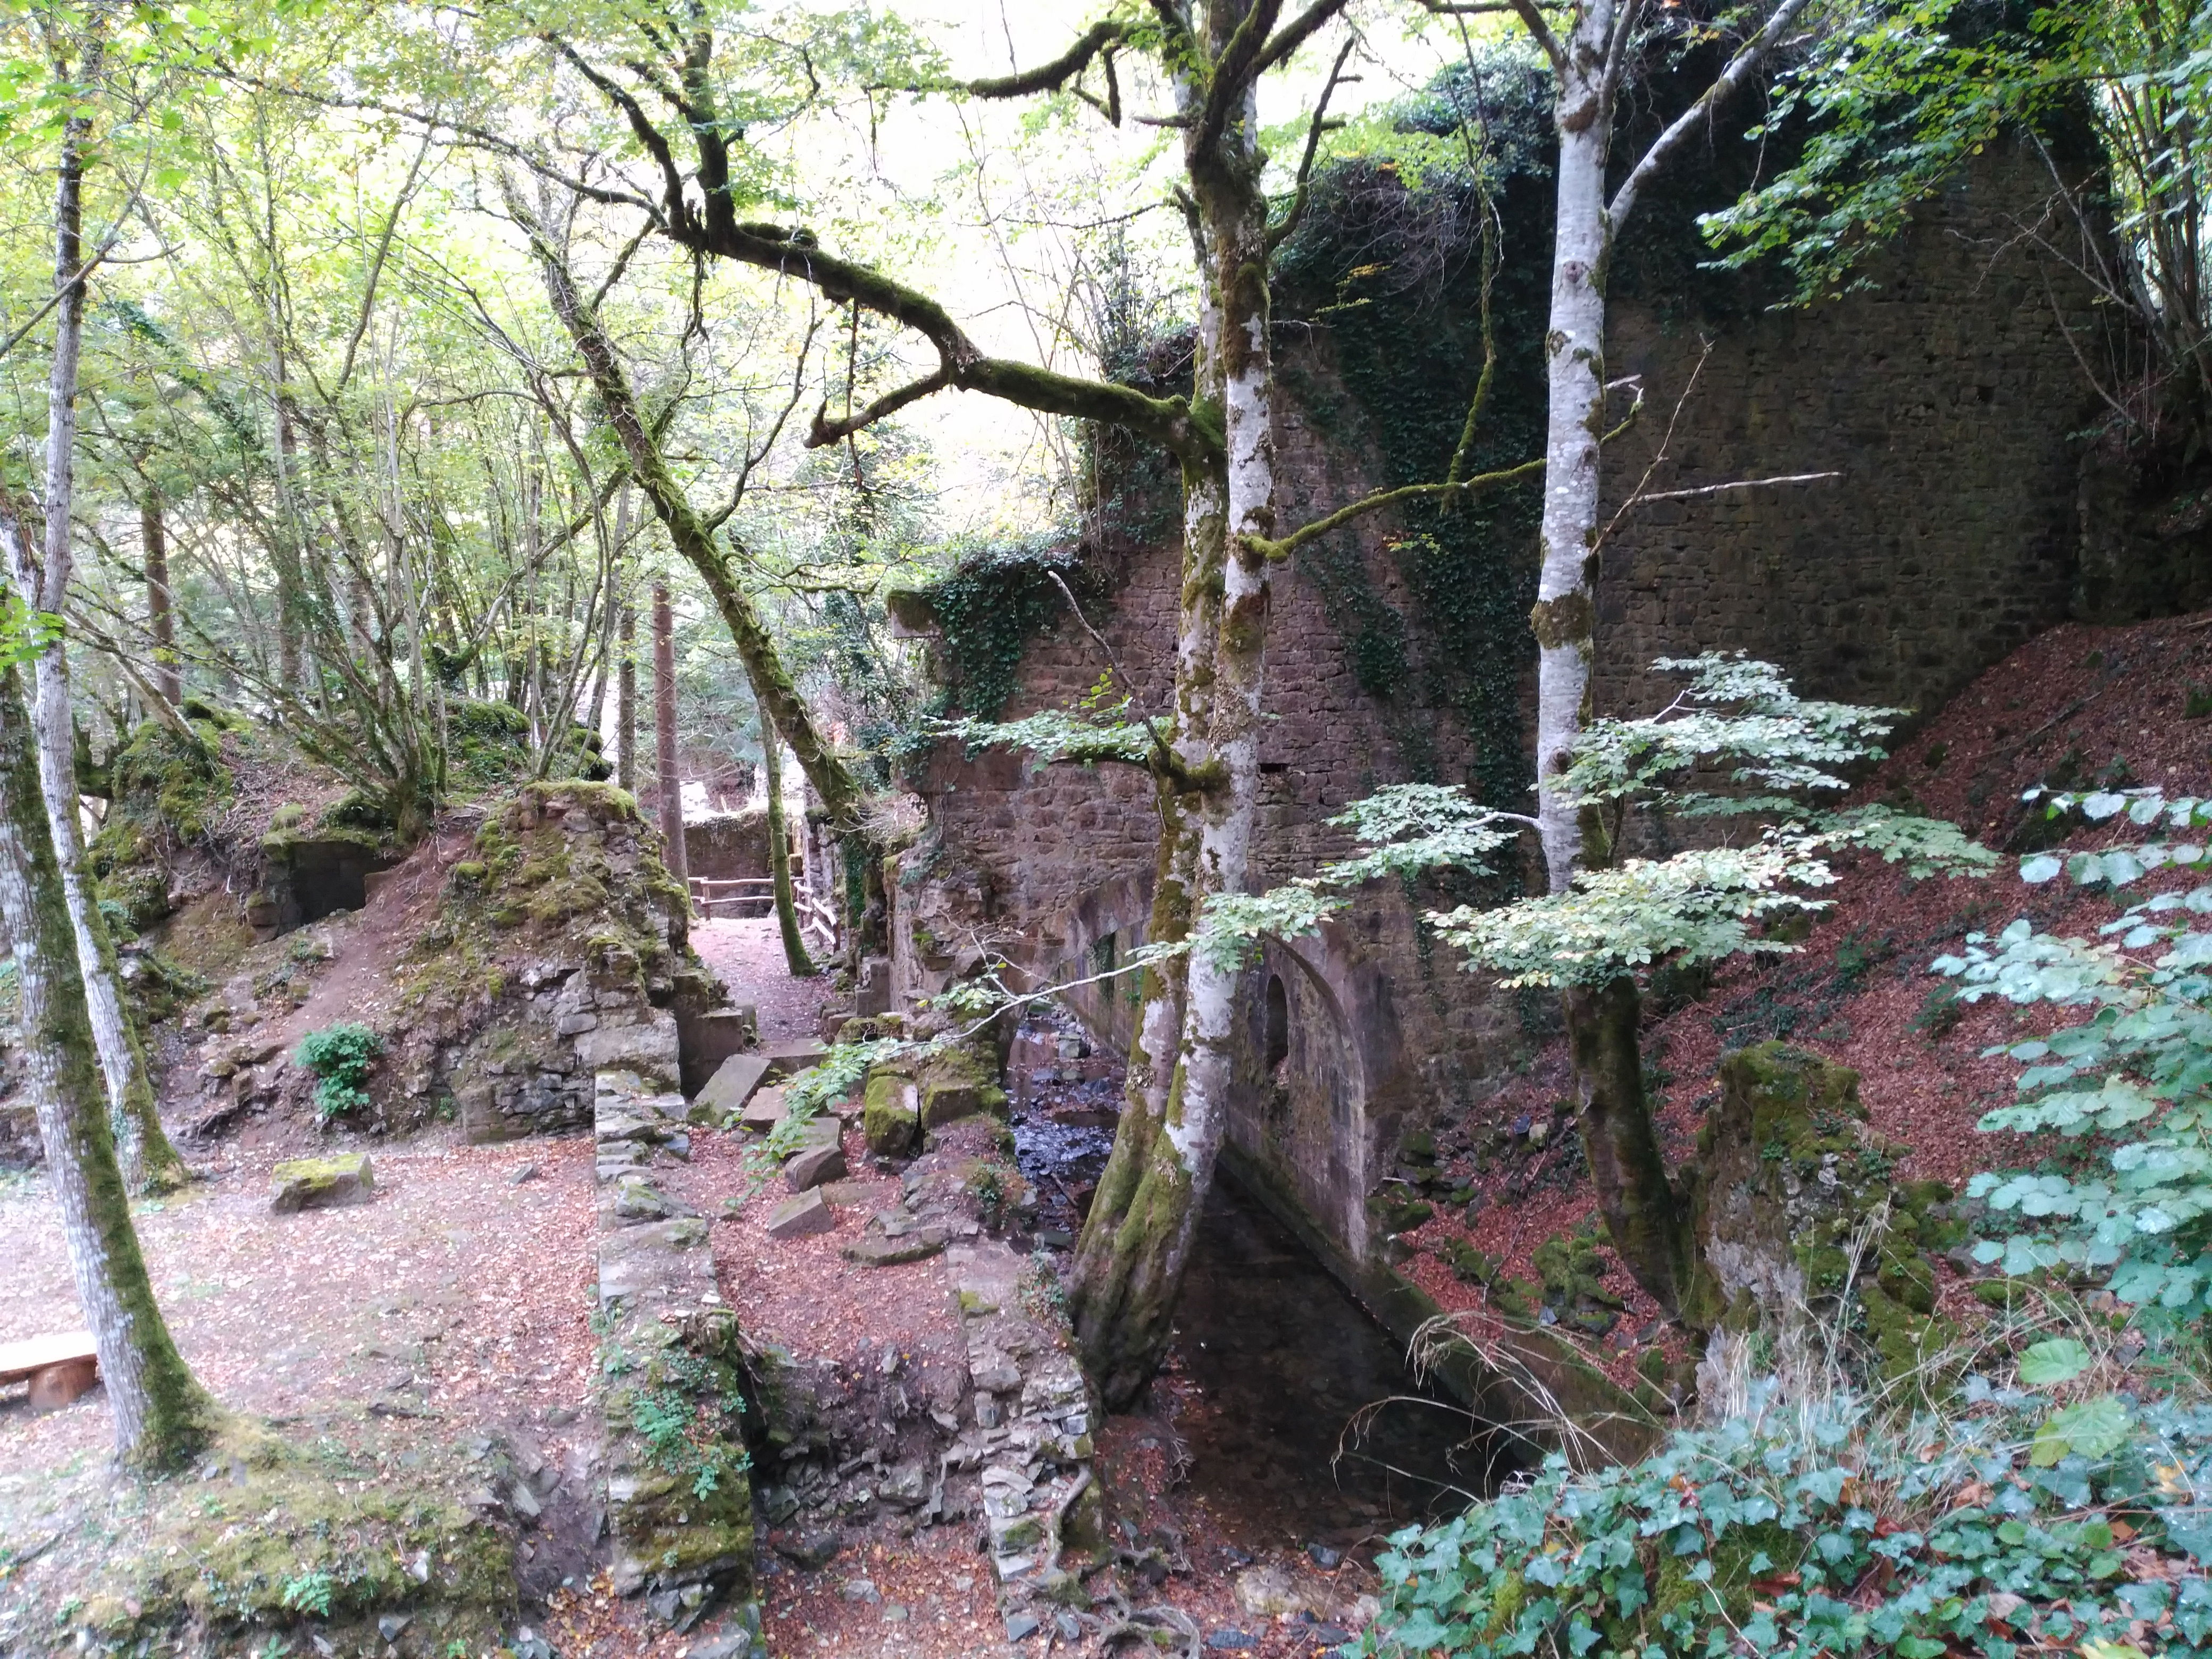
(1945, 398)
(559, 951)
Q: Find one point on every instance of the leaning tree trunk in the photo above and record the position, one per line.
(667, 778)
(1618, 1137)
(1129, 1303)
(160, 617)
(626, 702)
(1143, 1161)
(162, 1417)
(778, 857)
(149, 1160)
(841, 793)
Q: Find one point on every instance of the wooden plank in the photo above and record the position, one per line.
(21, 1359)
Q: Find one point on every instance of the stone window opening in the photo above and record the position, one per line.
(1278, 1046)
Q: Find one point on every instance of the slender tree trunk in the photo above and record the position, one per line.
(778, 857)
(666, 779)
(1566, 609)
(161, 1416)
(1618, 1136)
(626, 703)
(149, 1160)
(1127, 1302)
(160, 620)
(284, 549)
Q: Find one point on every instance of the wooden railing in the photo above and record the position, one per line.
(818, 918)
(713, 897)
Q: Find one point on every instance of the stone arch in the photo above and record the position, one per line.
(1299, 1117)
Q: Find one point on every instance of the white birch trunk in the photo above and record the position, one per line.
(1574, 345)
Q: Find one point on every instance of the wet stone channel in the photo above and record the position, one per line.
(1295, 1410)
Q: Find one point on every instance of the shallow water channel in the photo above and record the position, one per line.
(1296, 1410)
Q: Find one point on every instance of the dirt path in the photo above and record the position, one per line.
(748, 953)
(457, 1297)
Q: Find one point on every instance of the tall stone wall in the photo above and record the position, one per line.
(1944, 398)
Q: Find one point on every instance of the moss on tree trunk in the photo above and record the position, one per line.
(779, 855)
(161, 1417)
(1603, 1031)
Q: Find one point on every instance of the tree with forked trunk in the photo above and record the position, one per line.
(161, 1417)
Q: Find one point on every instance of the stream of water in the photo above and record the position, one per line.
(1296, 1409)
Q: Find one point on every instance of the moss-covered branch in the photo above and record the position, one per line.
(840, 791)
(1344, 515)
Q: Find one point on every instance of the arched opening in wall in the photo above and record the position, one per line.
(309, 878)
(1278, 1043)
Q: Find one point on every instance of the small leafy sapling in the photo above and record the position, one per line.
(1737, 751)
(340, 1056)
(2131, 1083)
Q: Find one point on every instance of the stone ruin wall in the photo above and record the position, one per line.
(1945, 398)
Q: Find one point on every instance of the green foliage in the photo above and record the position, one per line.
(1899, 98)
(1736, 712)
(1899, 101)
(1803, 1528)
(688, 1426)
(2133, 1079)
(1701, 905)
(1097, 729)
(989, 606)
(2120, 865)
(340, 1057)
(307, 1592)
(1409, 828)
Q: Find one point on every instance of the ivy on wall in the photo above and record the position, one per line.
(989, 606)
(1389, 262)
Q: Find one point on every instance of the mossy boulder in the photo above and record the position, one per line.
(1571, 1267)
(890, 1115)
(1398, 1209)
(321, 1184)
(959, 1082)
(1791, 1181)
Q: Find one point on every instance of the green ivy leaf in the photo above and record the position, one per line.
(2061, 1359)
(2093, 1428)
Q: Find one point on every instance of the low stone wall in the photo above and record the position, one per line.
(675, 1382)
